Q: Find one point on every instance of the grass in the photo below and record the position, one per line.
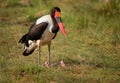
(90, 50)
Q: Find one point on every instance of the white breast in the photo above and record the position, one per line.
(46, 18)
(47, 35)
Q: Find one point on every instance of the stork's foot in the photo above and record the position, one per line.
(61, 63)
(47, 64)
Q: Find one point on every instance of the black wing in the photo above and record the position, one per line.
(36, 31)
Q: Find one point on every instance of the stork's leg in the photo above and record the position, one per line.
(49, 53)
(38, 55)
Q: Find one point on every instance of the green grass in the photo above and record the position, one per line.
(90, 50)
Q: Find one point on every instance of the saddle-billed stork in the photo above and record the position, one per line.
(42, 32)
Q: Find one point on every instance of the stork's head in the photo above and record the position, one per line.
(55, 13)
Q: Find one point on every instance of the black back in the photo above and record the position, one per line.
(36, 31)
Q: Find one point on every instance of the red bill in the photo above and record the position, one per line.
(59, 22)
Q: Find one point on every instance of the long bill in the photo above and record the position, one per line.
(59, 22)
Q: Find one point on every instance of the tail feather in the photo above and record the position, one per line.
(24, 39)
(29, 45)
(26, 53)
(29, 50)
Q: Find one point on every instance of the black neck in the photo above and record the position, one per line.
(55, 27)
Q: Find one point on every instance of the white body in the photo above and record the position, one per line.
(46, 18)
